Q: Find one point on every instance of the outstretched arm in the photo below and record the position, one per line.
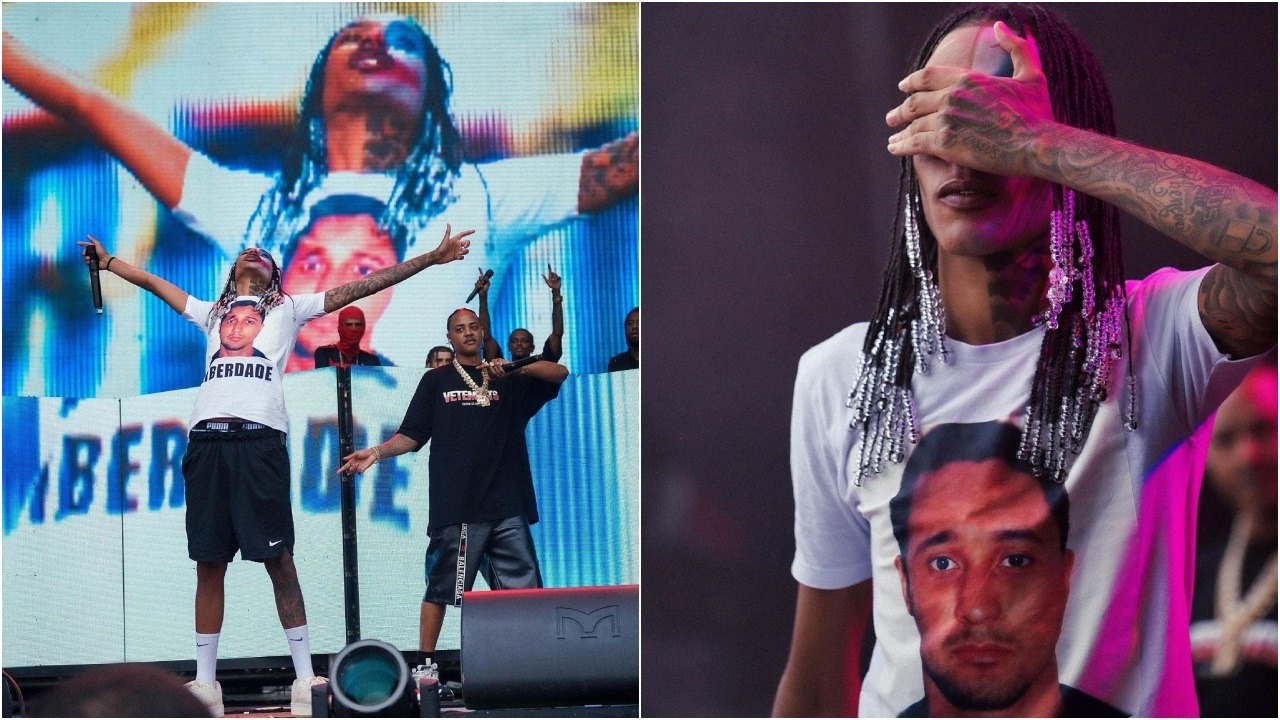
(452, 247)
(553, 347)
(172, 295)
(361, 460)
(155, 157)
(609, 174)
(544, 370)
(1006, 126)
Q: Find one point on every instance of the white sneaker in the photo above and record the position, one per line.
(430, 670)
(210, 695)
(300, 706)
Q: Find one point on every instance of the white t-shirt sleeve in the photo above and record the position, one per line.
(1196, 375)
(530, 194)
(197, 312)
(833, 540)
(307, 307)
(217, 202)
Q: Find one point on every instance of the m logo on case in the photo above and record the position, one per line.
(588, 623)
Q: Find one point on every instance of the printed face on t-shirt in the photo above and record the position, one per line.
(986, 579)
(338, 249)
(240, 326)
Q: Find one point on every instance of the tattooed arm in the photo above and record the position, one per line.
(609, 174)
(1224, 217)
(1006, 126)
(452, 247)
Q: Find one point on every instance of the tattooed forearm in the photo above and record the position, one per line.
(1224, 217)
(1228, 219)
(346, 294)
(609, 174)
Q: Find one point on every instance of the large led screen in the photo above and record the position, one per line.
(531, 88)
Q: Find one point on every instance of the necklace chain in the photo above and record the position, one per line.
(482, 390)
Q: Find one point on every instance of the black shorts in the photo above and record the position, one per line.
(502, 550)
(237, 485)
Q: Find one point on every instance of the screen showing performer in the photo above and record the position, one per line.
(194, 132)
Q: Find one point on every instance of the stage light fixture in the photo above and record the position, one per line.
(368, 678)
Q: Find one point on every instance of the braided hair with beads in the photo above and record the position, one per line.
(424, 184)
(269, 299)
(1086, 293)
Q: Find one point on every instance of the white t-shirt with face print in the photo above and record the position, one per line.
(245, 357)
(1132, 497)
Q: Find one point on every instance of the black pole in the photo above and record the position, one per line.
(350, 561)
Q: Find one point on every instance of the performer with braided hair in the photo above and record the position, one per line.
(1005, 300)
(236, 466)
(374, 123)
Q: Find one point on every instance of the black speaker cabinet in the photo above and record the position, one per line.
(551, 647)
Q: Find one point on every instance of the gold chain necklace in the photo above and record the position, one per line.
(482, 390)
(1236, 611)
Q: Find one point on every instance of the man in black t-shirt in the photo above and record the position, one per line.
(629, 359)
(481, 492)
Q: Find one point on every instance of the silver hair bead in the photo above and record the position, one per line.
(1086, 266)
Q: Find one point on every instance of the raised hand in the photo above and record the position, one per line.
(552, 280)
(93, 242)
(482, 283)
(973, 119)
(452, 247)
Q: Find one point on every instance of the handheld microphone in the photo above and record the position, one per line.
(517, 364)
(94, 284)
(476, 291)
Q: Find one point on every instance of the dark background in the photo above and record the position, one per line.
(767, 199)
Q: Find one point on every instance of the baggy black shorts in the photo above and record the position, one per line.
(237, 486)
(502, 550)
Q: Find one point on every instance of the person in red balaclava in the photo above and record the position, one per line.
(347, 350)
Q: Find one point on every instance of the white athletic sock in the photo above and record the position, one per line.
(300, 648)
(207, 657)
